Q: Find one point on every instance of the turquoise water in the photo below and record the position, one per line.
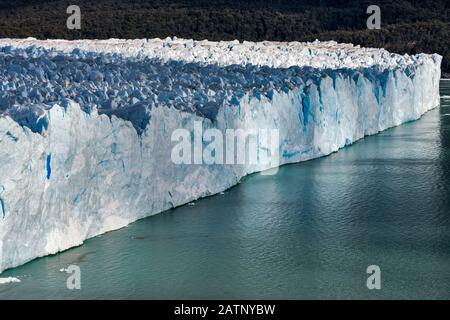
(308, 232)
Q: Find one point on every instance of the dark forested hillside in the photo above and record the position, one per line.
(407, 26)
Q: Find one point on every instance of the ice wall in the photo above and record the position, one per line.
(83, 153)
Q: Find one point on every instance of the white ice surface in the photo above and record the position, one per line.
(328, 54)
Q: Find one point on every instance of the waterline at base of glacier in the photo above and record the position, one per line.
(321, 221)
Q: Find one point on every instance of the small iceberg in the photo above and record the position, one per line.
(9, 280)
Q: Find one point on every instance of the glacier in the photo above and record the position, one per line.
(86, 125)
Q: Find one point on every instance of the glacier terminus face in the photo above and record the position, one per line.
(87, 127)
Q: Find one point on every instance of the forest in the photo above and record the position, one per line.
(407, 26)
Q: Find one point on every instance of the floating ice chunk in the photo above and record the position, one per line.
(9, 280)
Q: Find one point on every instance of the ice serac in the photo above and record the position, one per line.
(85, 126)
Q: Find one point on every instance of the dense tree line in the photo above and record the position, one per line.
(408, 26)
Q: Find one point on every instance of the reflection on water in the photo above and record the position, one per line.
(308, 232)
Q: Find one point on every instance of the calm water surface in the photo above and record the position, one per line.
(308, 232)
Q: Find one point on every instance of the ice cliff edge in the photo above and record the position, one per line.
(86, 126)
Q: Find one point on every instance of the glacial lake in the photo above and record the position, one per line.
(309, 232)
